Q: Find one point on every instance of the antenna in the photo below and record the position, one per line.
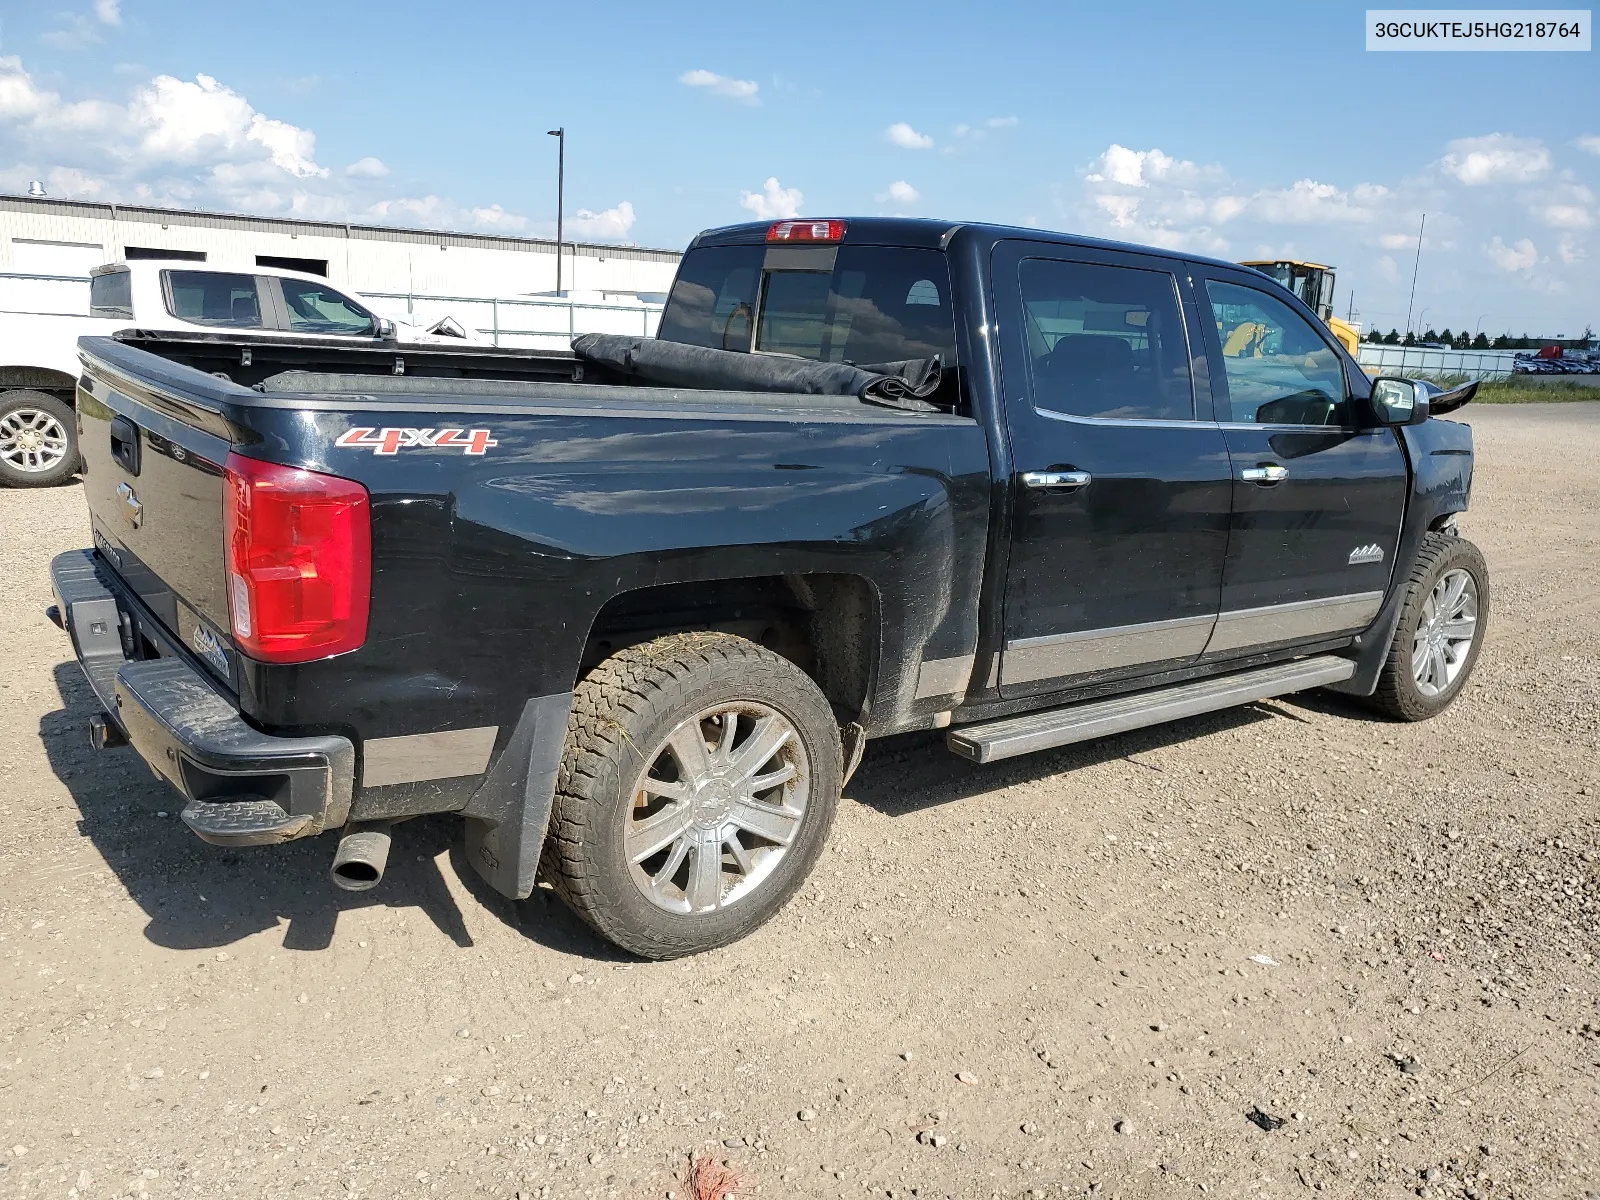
(1415, 267)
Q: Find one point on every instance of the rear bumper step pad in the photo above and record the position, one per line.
(243, 787)
(1006, 738)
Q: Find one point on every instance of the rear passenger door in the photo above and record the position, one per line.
(1120, 491)
(1319, 491)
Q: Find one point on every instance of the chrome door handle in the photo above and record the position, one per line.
(1266, 474)
(1066, 481)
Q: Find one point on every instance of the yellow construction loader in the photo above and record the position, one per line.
(1313, 283)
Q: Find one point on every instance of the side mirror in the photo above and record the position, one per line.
(1397, 401)
(385, 329)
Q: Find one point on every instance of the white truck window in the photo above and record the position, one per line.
(111, 295)
(317, 308)
(214, 298)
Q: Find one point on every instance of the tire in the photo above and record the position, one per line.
(1401, 693)
(633, 718)
(38, 439)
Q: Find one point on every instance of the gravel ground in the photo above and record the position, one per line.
(1284, 950)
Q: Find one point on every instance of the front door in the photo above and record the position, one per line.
(1319, 491)
(1120, 486)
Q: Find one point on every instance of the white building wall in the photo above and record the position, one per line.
(58, 237)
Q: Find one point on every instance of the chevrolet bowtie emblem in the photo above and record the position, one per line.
(131, 508)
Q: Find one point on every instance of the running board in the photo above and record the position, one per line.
(1099, 718)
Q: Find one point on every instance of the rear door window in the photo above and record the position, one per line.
(214, 298)
(1106, 341)
(317, 308)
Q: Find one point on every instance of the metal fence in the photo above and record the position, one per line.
(1416, 360)
(529, 323)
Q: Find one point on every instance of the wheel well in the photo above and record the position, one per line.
(826, 624)
(40, 379)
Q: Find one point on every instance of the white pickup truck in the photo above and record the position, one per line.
(39, 351)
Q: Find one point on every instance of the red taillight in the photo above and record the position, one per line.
(806, 231)
(299, 561)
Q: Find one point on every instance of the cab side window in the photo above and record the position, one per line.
(1106, 341)
(317, 308)
(1280, 371)
(214, 298)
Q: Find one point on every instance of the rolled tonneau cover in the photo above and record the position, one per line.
(903, 385)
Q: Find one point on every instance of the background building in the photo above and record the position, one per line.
(501, 285)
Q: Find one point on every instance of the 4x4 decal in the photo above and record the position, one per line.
(389, 441)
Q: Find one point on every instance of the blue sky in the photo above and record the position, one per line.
(1240, 130)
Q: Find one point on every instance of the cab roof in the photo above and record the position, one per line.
(938, 235)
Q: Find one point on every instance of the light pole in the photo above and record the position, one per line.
(561, 191)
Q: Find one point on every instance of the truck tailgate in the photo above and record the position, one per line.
(154, 485)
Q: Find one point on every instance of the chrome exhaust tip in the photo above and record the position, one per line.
(363, 854)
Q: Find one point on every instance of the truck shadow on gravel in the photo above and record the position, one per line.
(198, 896)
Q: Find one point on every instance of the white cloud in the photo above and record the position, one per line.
(900, 192)
(1002, 122)
(85, 29)
(198, 143)
(613, 223)
(773, 202)
(1565, 216)
(1521, 256)
(1590, 142)
(1140, 168)
(1308, 201)
(184, 122)
(1367, 227)
(901, 134)
(1121, 209)
(745, 91)
(1495, 158)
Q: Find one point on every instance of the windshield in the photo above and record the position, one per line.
(877, 304)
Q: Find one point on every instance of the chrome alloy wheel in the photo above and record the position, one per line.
(32, 440)
(1444, 635)
(717, 807)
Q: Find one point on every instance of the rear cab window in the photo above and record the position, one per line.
(213, 298)
(111, 295)
(859, 304)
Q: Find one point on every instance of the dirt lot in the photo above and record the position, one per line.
(1072, 974)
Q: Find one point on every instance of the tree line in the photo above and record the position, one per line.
(1466, 341)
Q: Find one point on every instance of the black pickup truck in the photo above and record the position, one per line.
(633, 612)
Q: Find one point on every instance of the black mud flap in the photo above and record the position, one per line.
(507, 816)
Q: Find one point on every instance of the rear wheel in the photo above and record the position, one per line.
(1440, 632)
(38, 439)
(700, 777)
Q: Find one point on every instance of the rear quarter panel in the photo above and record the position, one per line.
(489, 570)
